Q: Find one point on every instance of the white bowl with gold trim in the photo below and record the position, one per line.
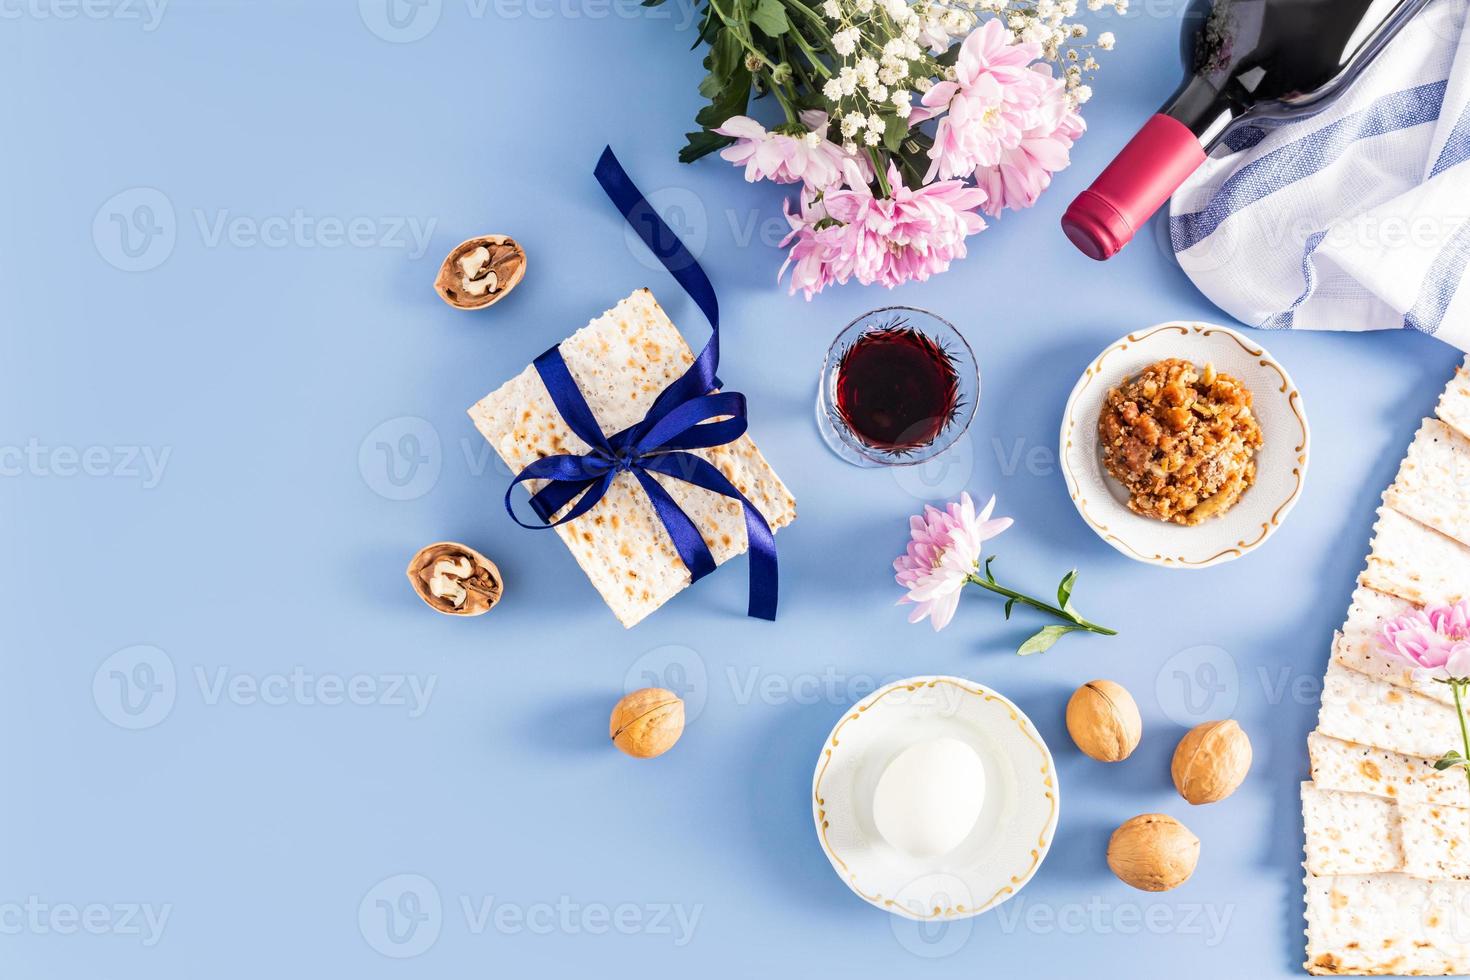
(1009, 839)
(1281, 462)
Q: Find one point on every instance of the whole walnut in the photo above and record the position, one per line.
(1153, 852)
(1211, 761)
(1103, 720)
(647, 723)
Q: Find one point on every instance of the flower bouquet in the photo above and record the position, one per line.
(903, 122)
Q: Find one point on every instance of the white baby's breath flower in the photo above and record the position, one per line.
(813, 140)
(872, 136)
(1082, 93)
(879, 93)
(1106, 40)
(833, 89)
(850, 148)
(875, 123)
(833, 10)
(924, 84)
(900, 100)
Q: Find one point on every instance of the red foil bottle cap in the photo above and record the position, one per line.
(1151, 167)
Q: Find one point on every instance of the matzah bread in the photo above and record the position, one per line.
(1355, 833)
(621, 361)
(1350, 833)
(1454, 404)
(1433, 484)
(1387, 924)
(1416, 562)
(1358, 647)
(1383, 838)
(1363, 709)
(1353, 768)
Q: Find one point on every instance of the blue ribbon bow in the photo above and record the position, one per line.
(679, 420)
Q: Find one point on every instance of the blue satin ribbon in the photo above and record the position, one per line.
(679, 419)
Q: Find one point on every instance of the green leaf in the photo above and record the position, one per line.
(1450, 760)
(730, 102)
(770, 17)
(894, 130)
(1010, 604)
(1064, 591)
(724, 54)
(989, 577)
(1042, 640)
(651, 3)
(712, 86)
(702, 142)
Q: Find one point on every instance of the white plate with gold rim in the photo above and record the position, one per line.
(1008, 840)
(1281, 462)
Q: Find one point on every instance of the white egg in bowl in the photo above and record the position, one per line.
(935, 798)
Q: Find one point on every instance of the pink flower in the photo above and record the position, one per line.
(942, 555)
(994, 100)
(850, 234)
(785, 158)
(1435, 642)
(1025, 170)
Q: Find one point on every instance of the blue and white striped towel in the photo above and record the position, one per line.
(1357, 218)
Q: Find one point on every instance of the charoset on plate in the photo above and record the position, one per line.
(1016, 822)
(1281, 462)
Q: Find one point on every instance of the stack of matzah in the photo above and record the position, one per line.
(621, 361)
(1388, 836)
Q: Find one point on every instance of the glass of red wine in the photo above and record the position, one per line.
(898, 387)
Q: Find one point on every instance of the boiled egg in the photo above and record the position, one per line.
(929, 797)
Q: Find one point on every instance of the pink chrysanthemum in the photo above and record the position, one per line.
(786, 158)
(851, 234)
(942, 555)
(994, 99)
(1026, 169)
(1435, 642)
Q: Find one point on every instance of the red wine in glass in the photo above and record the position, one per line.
(896, 387)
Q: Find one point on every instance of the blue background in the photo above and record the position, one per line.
(270, 370)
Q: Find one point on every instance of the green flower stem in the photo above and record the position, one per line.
(1455, 686)
(1061, 614)
(878, 169)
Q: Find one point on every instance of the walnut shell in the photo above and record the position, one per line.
(507, 263)
(647, 723)
(1211, 761)
(1153, 852)
(483, 587)
(1103, 720)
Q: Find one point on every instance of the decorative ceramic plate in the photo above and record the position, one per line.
(1015, 826)
(1281, 462)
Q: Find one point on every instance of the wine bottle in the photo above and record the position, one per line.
(1246, 59)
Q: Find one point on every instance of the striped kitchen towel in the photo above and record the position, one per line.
(1356, 218)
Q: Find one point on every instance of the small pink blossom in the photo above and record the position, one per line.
(944, 551)
(994, 99)
(851, 234)
(1434, 642)
(785, 158)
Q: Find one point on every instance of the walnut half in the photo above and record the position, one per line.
(455, 579)
(480, 271)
